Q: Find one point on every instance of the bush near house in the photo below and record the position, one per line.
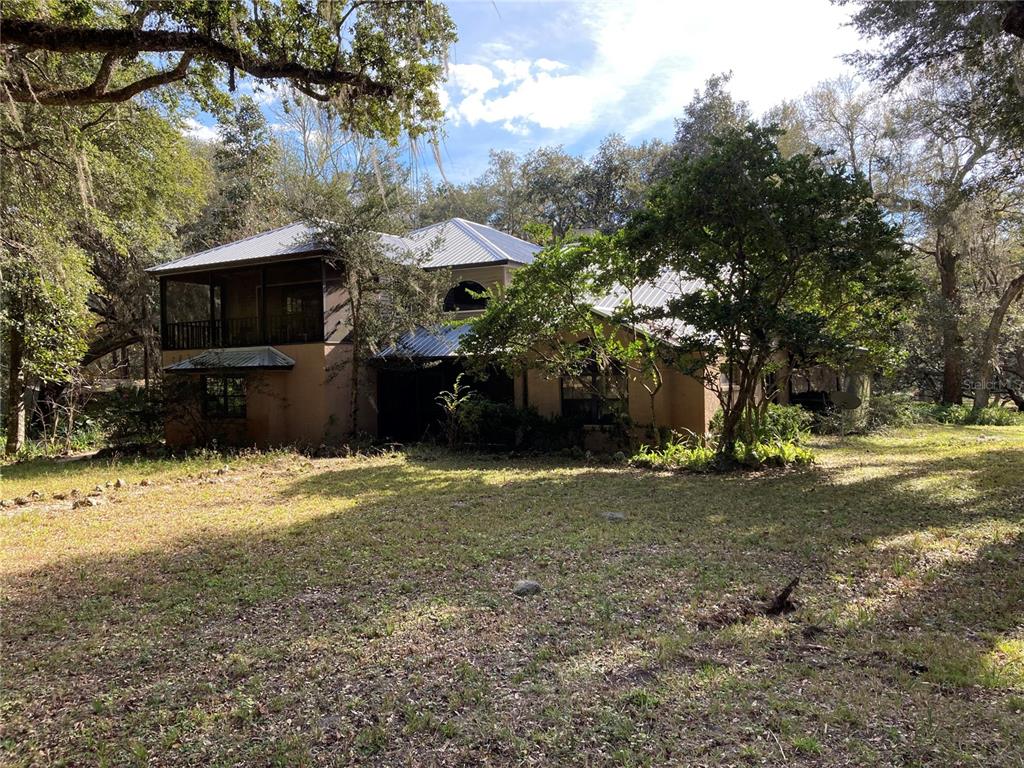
(777, 441)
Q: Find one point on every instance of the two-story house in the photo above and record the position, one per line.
(255, 350)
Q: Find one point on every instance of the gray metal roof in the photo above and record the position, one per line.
(234, 358)
(668, 286)
(290, 240)
(434, 343)
(459, 242)
(448, 244)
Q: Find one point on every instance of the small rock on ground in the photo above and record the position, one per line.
(613, 517)
(525, 588)
(89, 501)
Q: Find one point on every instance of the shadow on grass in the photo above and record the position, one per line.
(235, 643)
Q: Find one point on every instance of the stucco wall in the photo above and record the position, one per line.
(490, 276)
(680, 403)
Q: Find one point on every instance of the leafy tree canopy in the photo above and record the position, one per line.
(953, 40)
(376, 61)
(794, 256)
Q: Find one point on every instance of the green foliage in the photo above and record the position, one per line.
(452, 402)
(485, 423)
(897, 410)
(386, 292)
(992, 416)
(129, 415)
(711, 113)
(900, 410)
(379, 64)
(545, 320)
(244, 198)
(44, 304)
(956, 42)
(793, 255)
(703, 455)
(85, 435)
(787, 423)
(697, 456)
(546, 194)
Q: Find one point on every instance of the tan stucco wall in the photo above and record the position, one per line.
(491, 276)
(306, 405)
(680, 403)
(544, 393)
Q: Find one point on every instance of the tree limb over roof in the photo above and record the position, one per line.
(121, 43)
(377, 61)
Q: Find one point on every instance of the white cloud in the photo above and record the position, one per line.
(548, 65)
(647, 58)
(472, 78)
(196, 130)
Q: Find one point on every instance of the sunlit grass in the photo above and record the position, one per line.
(292, 611)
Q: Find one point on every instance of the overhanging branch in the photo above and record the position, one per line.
(121, 43)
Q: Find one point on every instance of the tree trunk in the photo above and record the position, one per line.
(1017, 398)
(356, 362)
(986, 361)
(354, 401)
(15, 421)
(952, 342)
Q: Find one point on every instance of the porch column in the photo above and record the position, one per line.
(163, 312)
(213, 314)
(263, 305)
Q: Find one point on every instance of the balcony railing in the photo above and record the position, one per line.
(244, 332)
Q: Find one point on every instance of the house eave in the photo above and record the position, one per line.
(159, 271)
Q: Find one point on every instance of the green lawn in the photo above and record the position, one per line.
(337, 611)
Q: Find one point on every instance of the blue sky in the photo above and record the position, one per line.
(529, 74)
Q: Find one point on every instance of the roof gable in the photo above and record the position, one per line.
(458, 242)
(451, 243)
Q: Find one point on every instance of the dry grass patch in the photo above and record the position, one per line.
(339, 611)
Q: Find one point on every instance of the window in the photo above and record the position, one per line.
(465, 296)
(224, 396)
(596, 396)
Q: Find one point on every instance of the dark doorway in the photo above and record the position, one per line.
(407, 397)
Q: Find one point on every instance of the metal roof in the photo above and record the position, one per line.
(290, 240)
(266, 358)
(440, 341)
(458, 242)
(668, 286)
(450, 243)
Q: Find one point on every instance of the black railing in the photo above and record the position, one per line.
(244, 332)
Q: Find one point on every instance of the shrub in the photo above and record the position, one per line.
(695, 455)
(898, 410)
(993, 416)
(698, 454)
(488, 424)
(901, 410)
(788, 423)
(781, 453)
(129, 415)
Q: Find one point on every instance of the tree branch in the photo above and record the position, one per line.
(88, 95)
(121, 43)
